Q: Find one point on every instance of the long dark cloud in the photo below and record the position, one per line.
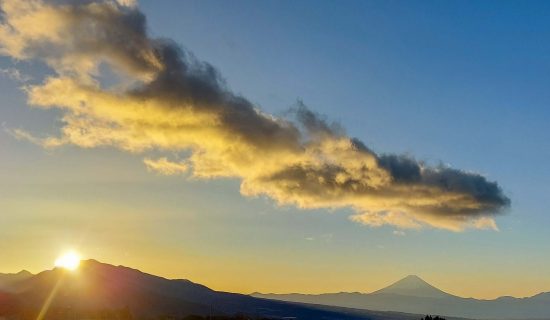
(168, 100)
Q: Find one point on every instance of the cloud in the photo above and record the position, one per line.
(20, 134)
(15, 74)
(128, 3)
(165, 167)
(169, 101)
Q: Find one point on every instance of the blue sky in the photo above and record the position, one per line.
(458, 82)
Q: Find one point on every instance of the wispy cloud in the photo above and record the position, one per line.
(170, 101)
(15, 74)
(165, 166)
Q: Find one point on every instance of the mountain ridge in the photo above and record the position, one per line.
(381, 289)
(412, 294)
(99, 286)
(7, 280)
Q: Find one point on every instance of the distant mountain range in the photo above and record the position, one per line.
(414, 295)
(96, 287)
(99, 286)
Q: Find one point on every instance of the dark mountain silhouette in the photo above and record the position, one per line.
(413, 286)
(98, 286)
(8, 280)
(413, 295)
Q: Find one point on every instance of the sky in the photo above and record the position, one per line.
(454, 85)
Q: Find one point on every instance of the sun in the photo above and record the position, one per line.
(69, 260)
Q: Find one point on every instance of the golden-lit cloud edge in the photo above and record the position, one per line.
(168, 101)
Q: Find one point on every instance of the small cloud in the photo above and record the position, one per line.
(399, 233)
(327, 238)
(486, 223)
(127, 3)
(165, 166)
(15, 74)
(20, 134)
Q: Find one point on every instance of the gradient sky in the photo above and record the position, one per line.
(461, 82)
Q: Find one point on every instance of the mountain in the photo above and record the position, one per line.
(95, 288)
(414, 295)
(413, 286)
(8, 280)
